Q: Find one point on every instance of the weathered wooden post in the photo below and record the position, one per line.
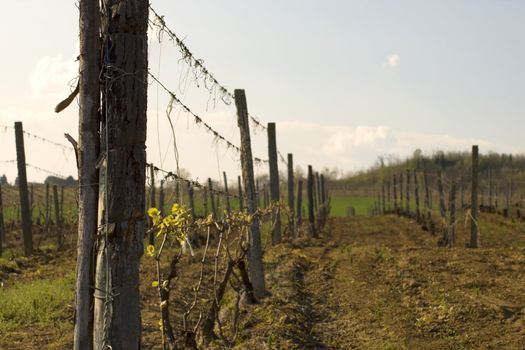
(152, 202)
(62, 204)
(383, 198)
(299, 202)
(205, 200)
(474, 230)
(428, 206)
(255, 264)
(408, 193)
(416, 194)
(241, 196)
(228, 205)
(161, 197)
(452, 216)
(123, 134)
(31, 201)
(442, 208)
(48, 207)
(191, 199)
(88, 152)
(395, 194)
(212, 200)
(22, 187)
(291, 204)
(58, 221)
(274, 184)
(2, 226)
(311, 212)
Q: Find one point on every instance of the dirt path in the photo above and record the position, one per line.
(384, 284)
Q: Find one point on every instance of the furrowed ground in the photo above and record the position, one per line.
(367, 283)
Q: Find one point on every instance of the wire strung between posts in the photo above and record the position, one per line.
(13, 161)
(40, 138)
(193, 183)
(199, 121)
(188, 57)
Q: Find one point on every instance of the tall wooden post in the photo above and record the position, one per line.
(474, 230)
(452, 216)
(123, 135)
(212, 200)
(62, 204)
(291, 204)
(191, 200)
(311, 212)
(442, 208)
(228, 205)
(58, 221)
(152, 202)
(408, 193)
(88, 152)
(205, 201)
(274, 183)
(255, 265)
(48, 207)
(401, 191)
(22, 186)
(299, 202)
(161, 197)
(416, 195)
(383, 198)
(395, 194)
(427, 192)
(241, 197)
(2, 226)
(31, 201)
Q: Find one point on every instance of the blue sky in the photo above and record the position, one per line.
(346, 81)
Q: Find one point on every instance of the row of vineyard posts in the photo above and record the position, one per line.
(410, 194)
(112, 225)
(32, 204)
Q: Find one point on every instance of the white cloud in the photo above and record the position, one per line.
(51, 75)
(393, 61)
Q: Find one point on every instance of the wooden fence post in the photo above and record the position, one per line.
(152, 203)
(401, 204)
(58, 220)
(241, 199)
(228, 205)
(62, 205)
(161, 198)
(310, 191)
(255, 264)
(428, 206)
(299, 203)
(48, 207)
(416, 194)
(408, 193)
(452, 216)
(88, 177)
(291, 204)
(205, 200)
(31, 202)
(22, 186)
(442, 208)
(395, 194)
(2, 226)
(383, 198)
(389, 198)
(474, 230)
(274, 184)
(212, 200)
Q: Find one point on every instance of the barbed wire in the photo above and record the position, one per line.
(37, 168)
(40, 138)
(194, 183)
(199, 121)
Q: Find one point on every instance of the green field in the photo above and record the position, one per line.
(361, 205)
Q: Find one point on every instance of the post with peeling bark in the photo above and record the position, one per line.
(291, 204)
(58, 220)
(311, 210)
(88, 151)
(23, 191)
(255, 264)
(474, 230)
(117, 321)
(274, 184)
